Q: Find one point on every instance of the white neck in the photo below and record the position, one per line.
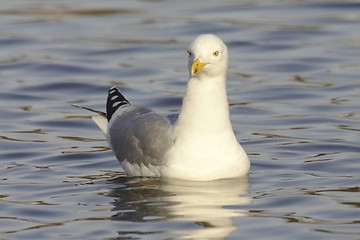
(205, 109)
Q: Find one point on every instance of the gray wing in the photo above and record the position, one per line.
(136, 134)
(139, 135)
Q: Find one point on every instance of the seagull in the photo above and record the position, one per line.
(200, 145)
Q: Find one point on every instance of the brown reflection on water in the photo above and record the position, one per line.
(21, 140)
(59, 10)
(80, 139)
(71, 149)
(36, 131)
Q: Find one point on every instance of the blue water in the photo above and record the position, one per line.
(294, 93)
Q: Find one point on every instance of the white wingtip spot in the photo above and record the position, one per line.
(118, 103)
(114, 97)
(115, 104)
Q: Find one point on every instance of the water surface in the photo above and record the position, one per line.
(294, 93)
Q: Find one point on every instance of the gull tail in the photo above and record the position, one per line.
(114, 100)
(101, 122)
(100, 119)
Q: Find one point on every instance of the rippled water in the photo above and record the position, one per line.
(294, 90)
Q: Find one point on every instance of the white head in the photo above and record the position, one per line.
(208, 55)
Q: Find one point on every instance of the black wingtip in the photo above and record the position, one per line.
(114, 100)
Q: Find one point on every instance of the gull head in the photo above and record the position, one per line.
(208, 55)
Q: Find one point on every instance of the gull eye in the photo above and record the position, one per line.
(216, 53)
(189, 53)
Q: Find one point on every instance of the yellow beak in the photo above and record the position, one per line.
(196, 67)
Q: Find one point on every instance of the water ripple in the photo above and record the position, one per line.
(293, 89)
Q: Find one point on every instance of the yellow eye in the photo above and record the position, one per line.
(216, 53)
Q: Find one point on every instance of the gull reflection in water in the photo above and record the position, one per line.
(210, 206)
